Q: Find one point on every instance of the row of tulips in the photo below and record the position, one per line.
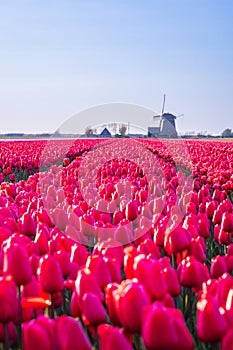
(152, 272)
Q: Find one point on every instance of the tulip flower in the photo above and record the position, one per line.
(63, 258)
(41, 241)
(227, 340)
(227, 222)
(75, 305)
(78, 254)
(93, 312)
(86, 283)
(27, 225)
(196, 249)
(218, 266)
(99, 268)
(192, 273)
(176, 240)
(211, 324)
(163, 330)
(8, 300)
(10, 333)
(39, 334)
(16, 264)
(129, 300)
(50, 275)
(70, 334)
(109, 298)
(171, 280)
(149, 273)
(112, 338)
(131, 211)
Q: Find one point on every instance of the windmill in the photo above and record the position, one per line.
(166, 122)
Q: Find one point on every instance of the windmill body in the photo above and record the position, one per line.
(168, 126)
(164, 124)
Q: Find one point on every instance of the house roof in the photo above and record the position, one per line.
(105, 132)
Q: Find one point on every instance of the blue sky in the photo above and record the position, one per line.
(60, 57)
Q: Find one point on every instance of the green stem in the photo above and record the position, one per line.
(215, 346)
(137, 342)
(6, 338)
(51, 308)
(20, 318)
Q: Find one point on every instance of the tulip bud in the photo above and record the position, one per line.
(99, 268)
(211, 324)
(192, 273)
(227, 222)
(150, 274)
(86, 283)
(12, 334)
(39, 334)
(16, 264)
(112, 338)
(50, 275)
(158, 331)
(27, 225)
(93, 312)
(130, 299)
(227, 340)
(8, 300)
(131, 211)
(65, 327)
(218, 266)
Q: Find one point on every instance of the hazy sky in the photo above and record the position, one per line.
(60, 57)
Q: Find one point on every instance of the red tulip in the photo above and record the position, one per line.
(176, 240)
(130, 299)
(12, 334)
(50, 275)
(192, 273)
(218, 266)
(112, 338)
(171, 279)
(16, 264)
(86, 283)
(70, 334)
(27, 225)
(158, 331)
(227, 340)
(63, 259)
(211, 324)
(227, 222)
(149, 273)
(196, 249)
(99, 268)
(131, 211)
(75, 305)
(8, 300)
(93, 312)
(78, 254)
(39, 334)
(41, 241)
(204, 226)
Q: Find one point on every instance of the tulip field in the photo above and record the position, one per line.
(116, 244)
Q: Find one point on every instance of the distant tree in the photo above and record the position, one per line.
(88, 131)
(227, 133)
(122, 129)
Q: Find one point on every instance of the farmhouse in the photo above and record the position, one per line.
(105, 133)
